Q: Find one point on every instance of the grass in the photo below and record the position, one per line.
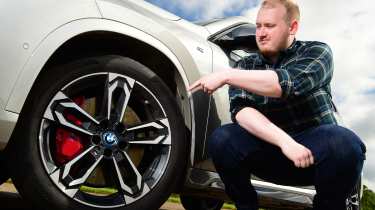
(95, 190)
(174, 198)
(229, 206)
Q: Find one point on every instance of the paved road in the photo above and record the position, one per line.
(10, 199)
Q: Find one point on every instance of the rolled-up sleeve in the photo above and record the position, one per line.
(238, 97)
(312, 69)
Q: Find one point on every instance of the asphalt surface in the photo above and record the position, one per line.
(10, 199)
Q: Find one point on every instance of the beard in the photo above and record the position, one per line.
(268, 53)
(273, 50)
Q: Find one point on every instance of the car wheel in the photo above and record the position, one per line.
(354, 200)
(102, 132)
(198, 203)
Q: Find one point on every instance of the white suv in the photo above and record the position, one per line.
(95, 112)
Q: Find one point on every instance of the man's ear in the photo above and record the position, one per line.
(293, 27)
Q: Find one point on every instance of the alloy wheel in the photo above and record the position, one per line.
(105, 140)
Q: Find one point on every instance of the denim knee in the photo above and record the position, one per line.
(347, 149)
(231, 144)
(218, 141)
(222, 146)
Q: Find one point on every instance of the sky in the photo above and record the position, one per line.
(347, 26)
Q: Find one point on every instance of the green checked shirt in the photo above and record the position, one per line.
(305, 71)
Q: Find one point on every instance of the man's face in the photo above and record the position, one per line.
(272, 30)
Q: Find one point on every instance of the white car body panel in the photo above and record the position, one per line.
(18, 44)
(8, 121)
(58, 37)
(35, 20)
(181, 37)
(220, 96)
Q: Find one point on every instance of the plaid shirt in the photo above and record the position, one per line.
(304, 70)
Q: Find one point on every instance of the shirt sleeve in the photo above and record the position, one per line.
(311, 70)
(238, 97)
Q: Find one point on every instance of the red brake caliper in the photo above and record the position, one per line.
(68, 144)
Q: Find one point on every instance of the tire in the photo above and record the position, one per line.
(354, 200)
(4, 175)
(77, 151)
(197, 203)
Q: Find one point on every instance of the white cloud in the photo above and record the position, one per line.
(207, 9)
(348, 29)
(251, 13)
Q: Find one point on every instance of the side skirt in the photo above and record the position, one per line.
(208, 184)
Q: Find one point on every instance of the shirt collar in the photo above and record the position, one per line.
(291, 49)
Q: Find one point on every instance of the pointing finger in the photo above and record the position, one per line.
(195, 88)
(194, 85)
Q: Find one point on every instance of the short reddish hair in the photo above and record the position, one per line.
(292, 9)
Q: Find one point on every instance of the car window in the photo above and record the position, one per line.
(237, 42)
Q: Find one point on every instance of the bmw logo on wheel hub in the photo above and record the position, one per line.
(109, 138)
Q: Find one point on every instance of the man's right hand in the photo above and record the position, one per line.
(299, 154)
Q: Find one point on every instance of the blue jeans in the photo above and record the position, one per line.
(338, 160)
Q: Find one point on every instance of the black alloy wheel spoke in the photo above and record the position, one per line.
(137, 188)
(61, 106)
(156, 132)
(74, 173)
(117, 94)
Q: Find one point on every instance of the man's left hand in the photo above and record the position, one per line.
(209, 83)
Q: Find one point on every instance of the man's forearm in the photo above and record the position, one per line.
(260, 82)
(260, 126)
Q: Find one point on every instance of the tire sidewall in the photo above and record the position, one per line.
(200, 203)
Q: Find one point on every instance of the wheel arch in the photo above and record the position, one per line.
(107, 43)
(75, 40)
